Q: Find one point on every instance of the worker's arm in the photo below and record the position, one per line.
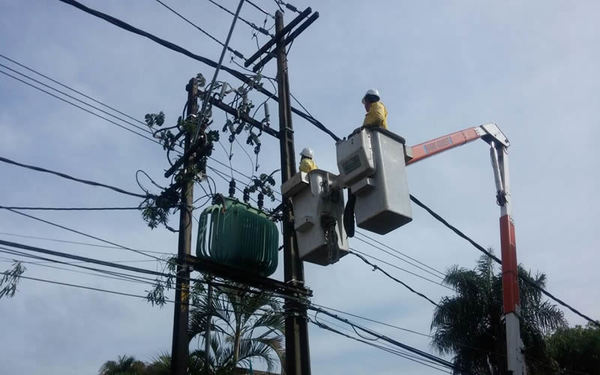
(377, 116)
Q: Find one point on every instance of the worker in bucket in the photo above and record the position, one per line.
(376, 117)
(376, 113)
(307, 163)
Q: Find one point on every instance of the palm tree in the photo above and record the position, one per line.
(245, 326)
(125, 365)
(469, 324)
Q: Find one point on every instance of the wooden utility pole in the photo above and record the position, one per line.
(180, 348)
(297, 354)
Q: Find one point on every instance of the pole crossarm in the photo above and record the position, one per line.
(263, 283)
(277, 36)
(286, 41)
(241, 115)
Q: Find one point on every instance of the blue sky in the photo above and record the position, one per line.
(530, 67)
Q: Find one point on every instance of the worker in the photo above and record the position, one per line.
(376, 113)
(307, 163)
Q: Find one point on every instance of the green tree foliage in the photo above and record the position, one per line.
(245, 326)
(576, 350)
(469, 324)
(124, 365)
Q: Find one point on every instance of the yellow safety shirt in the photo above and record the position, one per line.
(307, 165)
(376, 116)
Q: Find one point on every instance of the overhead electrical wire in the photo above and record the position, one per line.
(69, 177)
(374, 240)
(259, 8)
(372, 320)
(439, 283)
(144, 297)
(82, 108)
(112, 274)
(85, 234)
(121, 24)
(381, 347)
(34, 208)
(251, 24)
(81, 243)
(353, 331)
(71, 88)
(80, 258)
(81, 286)
(394, 342)
(376, 267)
(235, 52)
(144, 129)
(394, 253)
(497, 260)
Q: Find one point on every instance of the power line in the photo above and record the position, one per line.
(411, 349)
(402, 269)
(70, 88)
(69, 177)
(144, 129)
(376, 267)
(259, 8)
(101, 272)
(381, 347)
(81, 258)
(372, 239)
(497, 260)
(80, 107)
(80, 243)
(393, 252)
(235, 52)
(84, 234)
(32, 208)
(121, 24)
(251, 24)
(372, 320)
(140, 270)
(79, 286)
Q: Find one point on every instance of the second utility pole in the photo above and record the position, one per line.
(297, 354)
(180, 348)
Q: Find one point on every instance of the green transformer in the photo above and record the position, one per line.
(237, 235)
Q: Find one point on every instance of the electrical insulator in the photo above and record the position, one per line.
(246, 195)
(261, 200)
(231, 188)
(267, 115)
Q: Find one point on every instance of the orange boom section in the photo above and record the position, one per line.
(435, 146)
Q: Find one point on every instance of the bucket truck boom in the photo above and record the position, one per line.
(498, 142)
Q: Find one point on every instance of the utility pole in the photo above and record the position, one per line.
(297, 355)
(180, 348)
